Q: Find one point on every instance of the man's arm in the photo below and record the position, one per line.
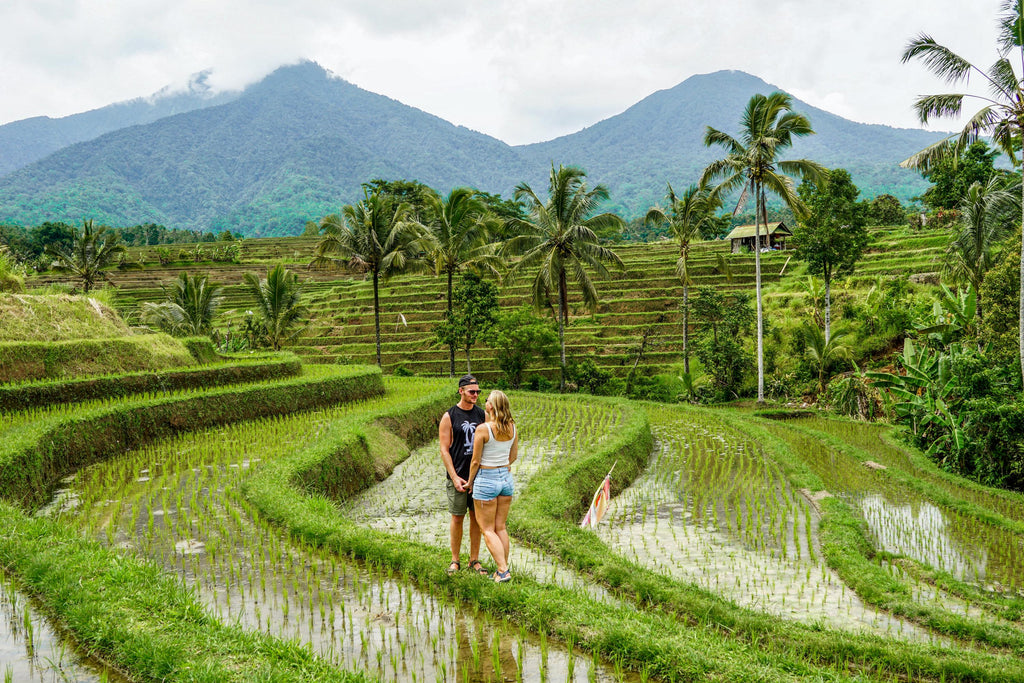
(444, 435)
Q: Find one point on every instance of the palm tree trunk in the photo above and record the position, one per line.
(451, 344)
(686, 328)
(758, 206)
(376, 316)
(563, 307)
(828, 306)
(1021, 311)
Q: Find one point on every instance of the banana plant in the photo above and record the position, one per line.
(953, 316)
(927, 396)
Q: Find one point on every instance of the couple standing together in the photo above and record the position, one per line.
(477, 449)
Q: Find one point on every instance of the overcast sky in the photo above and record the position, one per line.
(522, 71)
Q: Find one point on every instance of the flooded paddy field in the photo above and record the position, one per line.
(31, 651)
(711, 509)
(905, 522)
(178, 502)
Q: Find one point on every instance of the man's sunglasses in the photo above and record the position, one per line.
(473, 391)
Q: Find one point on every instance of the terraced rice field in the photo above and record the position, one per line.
(646, 293)
(725, 538)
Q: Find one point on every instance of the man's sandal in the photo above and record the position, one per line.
(452, 568)
(503, 577)
(478, 568)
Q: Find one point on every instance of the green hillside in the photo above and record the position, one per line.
(647, 294)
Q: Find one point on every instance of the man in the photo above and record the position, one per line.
(456, 431)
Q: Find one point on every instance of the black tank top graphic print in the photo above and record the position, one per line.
(464, 424)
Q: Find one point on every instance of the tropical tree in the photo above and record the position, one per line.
(92, 251)
(373, 236)
(456, 237)
(278, 301)
(823, 351)
(1000, 117)
(190, 307)
(751, 165)
(832, 238)
(987, 216)
(559, 238)
(475, 311)
(687, 218)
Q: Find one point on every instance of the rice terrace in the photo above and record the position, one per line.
(763, 407)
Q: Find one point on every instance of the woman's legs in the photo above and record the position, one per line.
(485, 513)
(500, 517)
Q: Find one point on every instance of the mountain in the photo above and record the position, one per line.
(300, 143)
(295, 146)
(23, 142)
(661, 137)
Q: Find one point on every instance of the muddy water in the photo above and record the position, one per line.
(710, 509)
(179, 503)
(905, 523)
(31, 651)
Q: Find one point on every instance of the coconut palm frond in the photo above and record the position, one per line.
(939, 59)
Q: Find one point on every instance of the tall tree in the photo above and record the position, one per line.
(373, 236)
(1002, 107)
(559, 239)
(455, 237)
(278, 301)
(92, 251)
(190, 307)
(988, 214)
(687, 218)
(832, 238)
(951, 176)
(752, 165)
(475, 311)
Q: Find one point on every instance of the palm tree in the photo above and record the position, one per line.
(986, 218)
(373, 236)
(822, 351)
(190, 308)
(92, 250)
(751, 164)
(456, 237)
(686, 218)
(558, 236)
(1002, 107)
(279, 304)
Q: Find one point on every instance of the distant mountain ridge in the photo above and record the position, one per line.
(28, 140)
(299, 144)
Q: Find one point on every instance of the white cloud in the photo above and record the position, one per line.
(522, 71)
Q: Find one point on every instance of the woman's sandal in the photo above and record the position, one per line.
(503, 577)
(478, 568)
(452, 568)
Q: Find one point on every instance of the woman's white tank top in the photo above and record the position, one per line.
(495, 453)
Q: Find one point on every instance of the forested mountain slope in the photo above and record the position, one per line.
(300, 143)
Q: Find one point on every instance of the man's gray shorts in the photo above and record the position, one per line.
(458, 502)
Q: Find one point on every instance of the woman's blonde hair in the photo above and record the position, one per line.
(502, 412)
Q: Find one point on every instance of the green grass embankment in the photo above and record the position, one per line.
(675, 631)
(351, 456)
(27, 361)
(123, 610)
(849, 552)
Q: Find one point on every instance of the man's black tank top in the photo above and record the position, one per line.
(464, 424)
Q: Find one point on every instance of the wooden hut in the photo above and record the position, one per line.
(773, 236)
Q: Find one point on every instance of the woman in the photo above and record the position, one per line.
(495, 448)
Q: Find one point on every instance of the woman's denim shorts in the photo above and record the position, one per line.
(489, 484)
